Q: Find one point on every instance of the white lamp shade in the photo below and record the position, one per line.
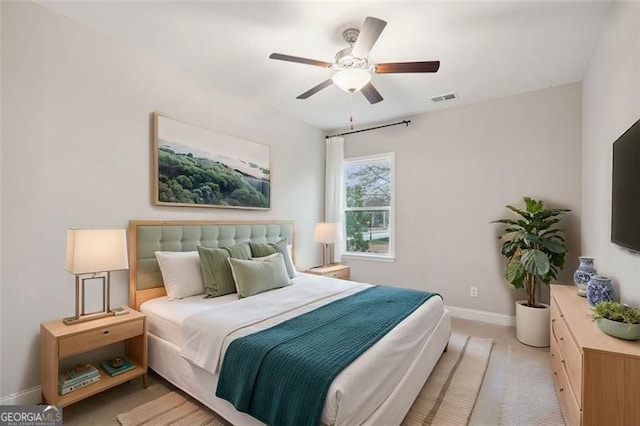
(327, 232)
(351, 79)
(96, 250)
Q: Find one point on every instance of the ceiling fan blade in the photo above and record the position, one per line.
(288, 58)
(371, 30)
(407, 67)
(370, 92)
(315, 89)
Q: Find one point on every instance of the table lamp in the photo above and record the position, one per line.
(327, 233)
(93, 254)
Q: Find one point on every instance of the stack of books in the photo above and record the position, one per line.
(117, 365)
(78, 377)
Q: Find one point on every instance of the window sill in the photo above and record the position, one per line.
(369, 257)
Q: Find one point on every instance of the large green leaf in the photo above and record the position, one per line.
(533, 206)
(553, 246)
(533, 238)
(514, 236)
(505, 221)
(546, 224)
(552, 233)
(514, 273)
(535, 261)
(509, 248)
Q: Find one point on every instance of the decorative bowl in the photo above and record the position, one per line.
(621, 330)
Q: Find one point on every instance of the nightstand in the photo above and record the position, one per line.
(59, 341)
(335, 270)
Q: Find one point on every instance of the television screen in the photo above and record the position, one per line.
(625, 191)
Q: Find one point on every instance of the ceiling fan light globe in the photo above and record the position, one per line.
(351, 80)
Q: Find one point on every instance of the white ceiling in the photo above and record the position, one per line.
(487, 49)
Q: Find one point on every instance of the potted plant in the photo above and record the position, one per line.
(618, 320)
(535, 250)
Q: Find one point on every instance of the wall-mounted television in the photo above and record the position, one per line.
(625, 191)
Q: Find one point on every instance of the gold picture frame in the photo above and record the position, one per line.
(198, 167)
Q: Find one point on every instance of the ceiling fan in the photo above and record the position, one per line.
(354, 71)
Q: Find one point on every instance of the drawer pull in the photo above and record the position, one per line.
(105, 332)
(561, 389)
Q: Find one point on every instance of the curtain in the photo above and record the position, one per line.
(334, 189)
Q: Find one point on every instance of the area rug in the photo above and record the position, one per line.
(450, 394)
(530, 397)
(447, 398)
(169, 409)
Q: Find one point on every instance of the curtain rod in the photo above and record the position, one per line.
(405, 122)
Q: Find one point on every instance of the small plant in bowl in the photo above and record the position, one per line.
(618, 320)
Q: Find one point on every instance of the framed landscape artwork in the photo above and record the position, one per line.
(197, 167)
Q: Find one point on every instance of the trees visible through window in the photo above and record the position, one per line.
(368, 206)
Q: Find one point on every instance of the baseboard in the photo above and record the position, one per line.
(482, 316)
(31, 396)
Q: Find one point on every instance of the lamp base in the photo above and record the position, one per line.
(85, 318)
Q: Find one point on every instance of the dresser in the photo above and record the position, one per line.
(597, 376)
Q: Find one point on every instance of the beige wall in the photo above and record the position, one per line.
(455, 171)
(76, 110)
(611, 103)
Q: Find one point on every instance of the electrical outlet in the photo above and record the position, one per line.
(473, 291)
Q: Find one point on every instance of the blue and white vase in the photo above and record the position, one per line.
(599, 289)
(583, 274)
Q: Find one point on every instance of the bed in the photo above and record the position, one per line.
(377, 388)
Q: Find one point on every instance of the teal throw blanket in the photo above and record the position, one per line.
(281, 375)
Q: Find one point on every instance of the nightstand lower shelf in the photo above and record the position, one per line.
(104, 383)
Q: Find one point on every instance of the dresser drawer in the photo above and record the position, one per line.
(342, 274)
(570, 408)
(339, 271)
(571, 354)
(86, 341)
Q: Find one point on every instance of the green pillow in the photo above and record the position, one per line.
(256, 276)
(216, 272)
(242, 251)
(262, 250)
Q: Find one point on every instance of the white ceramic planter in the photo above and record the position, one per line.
(532, 324)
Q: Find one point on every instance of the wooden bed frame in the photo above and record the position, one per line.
(146, 283)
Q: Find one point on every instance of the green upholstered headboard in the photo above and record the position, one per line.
(147, 237)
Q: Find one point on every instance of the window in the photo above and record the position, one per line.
(369, 206)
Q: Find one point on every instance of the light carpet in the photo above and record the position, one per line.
(530, 397)
(447, 398)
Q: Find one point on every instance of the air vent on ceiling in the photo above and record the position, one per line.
(447, 97)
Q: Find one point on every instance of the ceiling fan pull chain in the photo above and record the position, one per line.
(351, 125)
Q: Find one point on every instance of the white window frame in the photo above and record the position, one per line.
(379, 257)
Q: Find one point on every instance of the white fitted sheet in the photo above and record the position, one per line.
(358, 392)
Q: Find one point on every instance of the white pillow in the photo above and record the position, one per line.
(289, 250)
(181, 273)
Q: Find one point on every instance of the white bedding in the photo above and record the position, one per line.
(355, 393)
